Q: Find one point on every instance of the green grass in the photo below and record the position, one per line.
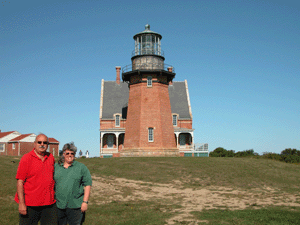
(228, 172)
(270, 215)
(248, 174)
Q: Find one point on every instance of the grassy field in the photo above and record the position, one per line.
(179, 191)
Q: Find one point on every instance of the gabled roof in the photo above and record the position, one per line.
(22, 136)
(178, 93)
(3, 134)
(53, 140)
(115, 99)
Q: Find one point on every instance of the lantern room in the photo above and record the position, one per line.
(147, 43)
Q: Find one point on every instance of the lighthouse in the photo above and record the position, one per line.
(149, 128)
(148, 114)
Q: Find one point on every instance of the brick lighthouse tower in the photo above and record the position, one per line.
(149, 128)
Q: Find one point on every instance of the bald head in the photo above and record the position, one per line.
(40, 136)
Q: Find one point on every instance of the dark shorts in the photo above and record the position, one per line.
(45, 214)
(70, 216)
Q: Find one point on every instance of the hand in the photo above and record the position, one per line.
(22, 208)
(84, 207)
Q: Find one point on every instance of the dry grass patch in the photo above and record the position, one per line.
(110, 189)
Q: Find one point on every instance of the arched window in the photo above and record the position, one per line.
(150, 134)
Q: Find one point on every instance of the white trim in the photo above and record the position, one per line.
(13, 146)
(188, 98)
(10, 136)
(30, 138)
(101, 98)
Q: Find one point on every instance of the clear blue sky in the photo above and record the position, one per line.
(241, 60)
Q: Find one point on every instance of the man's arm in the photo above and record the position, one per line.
(20, 191)
(87, 191)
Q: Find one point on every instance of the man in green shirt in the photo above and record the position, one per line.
(72, 187)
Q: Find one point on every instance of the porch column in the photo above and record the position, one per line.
(193, 144)
(117, 140)
(101, 144)
(177, 137)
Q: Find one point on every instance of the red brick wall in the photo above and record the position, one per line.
(149, 107)
(132, 129)
(109, 124)
(26, 147)
(56, 149)
(11, 151)
(185, 124)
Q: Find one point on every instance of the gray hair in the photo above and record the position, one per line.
(69, 146)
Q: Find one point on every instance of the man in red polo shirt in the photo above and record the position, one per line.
(35, 185)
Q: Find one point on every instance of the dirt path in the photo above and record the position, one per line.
(118, 189)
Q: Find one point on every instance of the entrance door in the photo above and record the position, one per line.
(182, 140)
(110, 141)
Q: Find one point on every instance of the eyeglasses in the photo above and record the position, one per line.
(70, 153)
(44, 142)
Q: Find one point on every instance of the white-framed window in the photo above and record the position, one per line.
(174, 118)
(117, 120)
(110, 141)
(149, 81)
(150, 134)
(13, 146)
(2, 147)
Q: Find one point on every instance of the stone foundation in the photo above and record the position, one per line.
(149, 153)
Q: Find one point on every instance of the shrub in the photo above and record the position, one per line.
(290, 155)
(271, 155)
(246, 153)
(220, 152)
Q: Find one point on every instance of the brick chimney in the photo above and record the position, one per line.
(170, 69)
(118, 69)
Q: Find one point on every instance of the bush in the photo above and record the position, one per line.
(246, 153)
(221, 152)
(271, 155)
(290, 155)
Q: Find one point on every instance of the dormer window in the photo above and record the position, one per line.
(117, 120)
(149, 81)
(175, 119)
